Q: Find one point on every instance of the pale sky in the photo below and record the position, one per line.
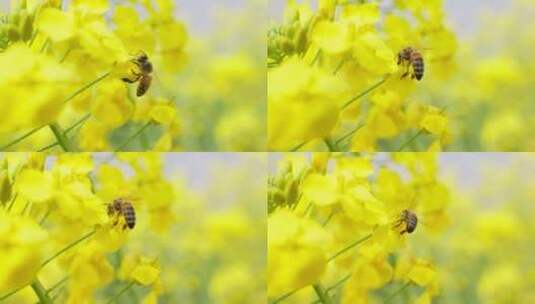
(466, 169)
(199, 14)
(462, 14)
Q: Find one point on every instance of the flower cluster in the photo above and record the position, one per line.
(60, 243)
(323, 62)
(63, 86)
(337, 231)
(58, 233)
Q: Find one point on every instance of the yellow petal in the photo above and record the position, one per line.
(35, 185)
(321, 189)
(57, 25)
(145, 274)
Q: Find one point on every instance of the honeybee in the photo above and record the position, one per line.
(410, 220)
(122, 207)
(142, 75)
(411, 57)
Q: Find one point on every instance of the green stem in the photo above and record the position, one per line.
(121, 292)
(48, 147)
(63, 141)
(25, 207)
(45, 45)
(40, 291)
(78, 92)
(144, 141)
(349, 247)
(390, 297)
(58, 284)
(341, 139)
(340, 282)
(67, 131)
(67, 248)
(87, 86)
(408, 142)
(316, 58)
(76, 124)
(299, 146)
(16, 141)
(339, 66)
(133, 136)
(322, 295)
(45, 217)
(11, 293)
(286, 295)
(12, 202)
(331, 145)
(328, 219)
(65, 55)
(334, 286)
(373, 87)
(420, 132)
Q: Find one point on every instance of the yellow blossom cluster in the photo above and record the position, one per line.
(63, 68)
(335, 79)
(57, 230)
(337, 231)
(60, 244)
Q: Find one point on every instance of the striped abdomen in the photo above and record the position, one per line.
(417, 64)
(129, 214)
(144, 84)
(411, 221)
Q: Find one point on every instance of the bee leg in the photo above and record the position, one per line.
(407, 71)
(128, 80)
(136, 75)
(136, 62)
(402, 232)
(124, 227)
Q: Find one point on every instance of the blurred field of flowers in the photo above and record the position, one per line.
(63, 64)
(333, 233)
(196, 239)
(345, 92)
(490, 96)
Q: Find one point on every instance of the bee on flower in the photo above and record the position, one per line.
(121, 207)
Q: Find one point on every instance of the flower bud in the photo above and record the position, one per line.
(292, 192)
(5, 187)
(13, 33)
(26, 25)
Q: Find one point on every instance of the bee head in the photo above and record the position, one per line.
(142, 57)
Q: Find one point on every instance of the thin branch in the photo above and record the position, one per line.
(349, 102)
(322, 295)
(67, 248)
(16, 141)
(349, 247)
(120, 292)
(133, 136)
